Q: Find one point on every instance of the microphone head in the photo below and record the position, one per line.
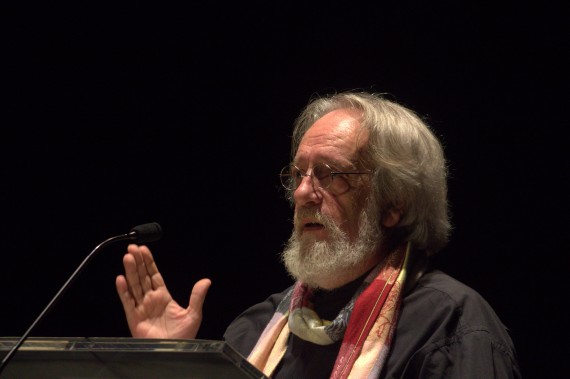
(146, 233)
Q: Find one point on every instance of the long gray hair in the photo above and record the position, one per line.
(407, 160)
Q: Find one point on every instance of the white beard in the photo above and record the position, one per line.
(327, 263)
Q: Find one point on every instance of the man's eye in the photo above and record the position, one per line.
(297, 175)
(321, 172)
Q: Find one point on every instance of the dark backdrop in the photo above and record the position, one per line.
(117, 116)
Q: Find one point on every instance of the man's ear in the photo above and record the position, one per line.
(391, 217)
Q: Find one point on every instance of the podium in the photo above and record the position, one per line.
(124, 358)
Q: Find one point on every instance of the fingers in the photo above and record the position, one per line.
(155, 279)
(133, 282)
(140, 254)
(141, 273)
(198, 295)
(124, 294)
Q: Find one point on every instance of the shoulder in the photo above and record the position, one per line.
(439, 298)
(245, 329)
(436, 284)
(446, 326)
(445, 296)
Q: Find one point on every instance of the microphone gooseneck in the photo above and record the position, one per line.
(139, 234)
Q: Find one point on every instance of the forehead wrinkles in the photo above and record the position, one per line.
(334, 137)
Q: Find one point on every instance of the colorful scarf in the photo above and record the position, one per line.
(365, 325)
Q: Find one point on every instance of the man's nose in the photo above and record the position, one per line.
(307, 193)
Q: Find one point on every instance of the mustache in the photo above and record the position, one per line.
(302, 213)
(313, 214)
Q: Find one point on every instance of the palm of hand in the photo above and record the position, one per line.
(150, 309)
(159, 316)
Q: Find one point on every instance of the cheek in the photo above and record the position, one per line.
(346, 212)
(352, 212)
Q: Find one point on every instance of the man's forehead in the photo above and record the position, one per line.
(332, 157)
(336, 138)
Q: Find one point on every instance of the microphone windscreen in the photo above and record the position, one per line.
(146, 233)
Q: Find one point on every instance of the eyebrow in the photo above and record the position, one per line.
(333, 163)
(345, 165)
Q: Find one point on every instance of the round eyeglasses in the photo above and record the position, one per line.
(321, 175)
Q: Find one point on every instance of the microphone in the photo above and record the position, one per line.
(145, 233)
(139, 234)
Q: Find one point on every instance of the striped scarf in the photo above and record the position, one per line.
(365, 325)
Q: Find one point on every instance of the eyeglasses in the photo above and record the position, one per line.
(322, 175)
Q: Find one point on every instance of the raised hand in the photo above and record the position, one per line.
(150, 310)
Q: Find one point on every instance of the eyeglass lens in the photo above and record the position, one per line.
(292, 176)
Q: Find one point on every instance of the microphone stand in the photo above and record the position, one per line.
(141, 233)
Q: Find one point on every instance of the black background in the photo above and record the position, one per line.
(114, 116)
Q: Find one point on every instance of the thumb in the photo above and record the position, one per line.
(198, 295)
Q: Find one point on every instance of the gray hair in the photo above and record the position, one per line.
(408, 163)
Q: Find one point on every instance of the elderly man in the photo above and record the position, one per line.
(368, 185)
